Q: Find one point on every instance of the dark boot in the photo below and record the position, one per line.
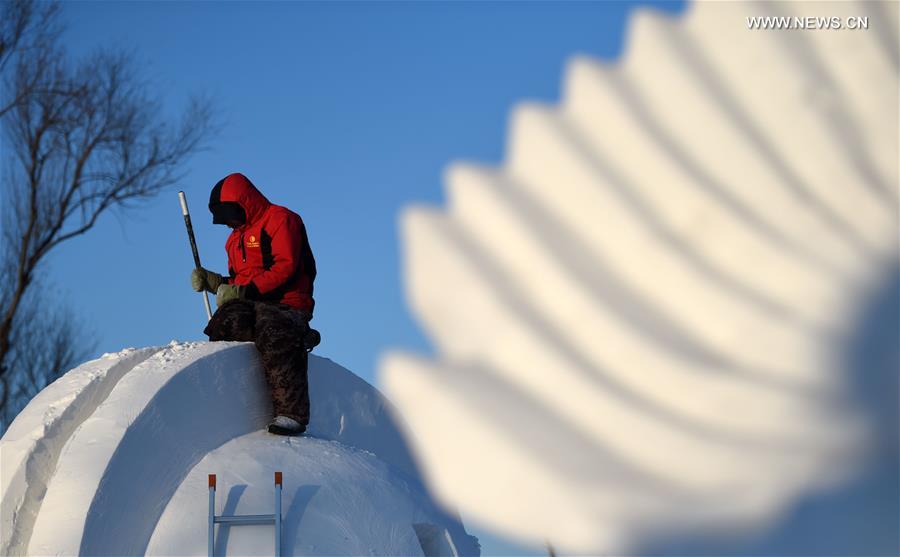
(282, 425)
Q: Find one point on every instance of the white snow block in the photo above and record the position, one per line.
(96, 460)
(121, 466)
(32, 444)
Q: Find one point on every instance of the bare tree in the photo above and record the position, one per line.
(81, 139)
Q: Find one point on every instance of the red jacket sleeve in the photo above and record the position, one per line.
(287, 243)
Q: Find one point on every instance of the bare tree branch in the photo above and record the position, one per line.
(26, 29)
(82, 139)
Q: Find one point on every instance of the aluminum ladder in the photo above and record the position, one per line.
(244, 519)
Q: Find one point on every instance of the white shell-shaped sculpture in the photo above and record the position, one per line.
(640, 316)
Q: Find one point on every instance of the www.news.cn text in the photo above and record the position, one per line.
(786, 23)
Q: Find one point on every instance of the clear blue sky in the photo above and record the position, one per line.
(344, 112)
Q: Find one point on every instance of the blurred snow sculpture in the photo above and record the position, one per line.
(640, 316)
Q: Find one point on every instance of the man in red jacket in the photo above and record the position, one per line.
(267, 296)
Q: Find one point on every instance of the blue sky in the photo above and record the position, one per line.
(345, 112)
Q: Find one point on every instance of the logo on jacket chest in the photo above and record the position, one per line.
(252, 241)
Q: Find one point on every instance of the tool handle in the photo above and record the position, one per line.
(190, 228)
(190, 231)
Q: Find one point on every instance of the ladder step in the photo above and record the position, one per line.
(247, 519)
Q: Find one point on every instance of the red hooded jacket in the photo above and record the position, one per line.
(270, 252)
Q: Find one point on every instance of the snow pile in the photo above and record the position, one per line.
(112, 459)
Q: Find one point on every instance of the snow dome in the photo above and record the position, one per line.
(113, 459)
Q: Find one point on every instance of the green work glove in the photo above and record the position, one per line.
(228, 292)
(201, 279)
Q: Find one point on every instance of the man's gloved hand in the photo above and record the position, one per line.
(228, 292)
(201, 279)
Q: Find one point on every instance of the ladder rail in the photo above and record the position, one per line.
(278, 514)
(212, 514)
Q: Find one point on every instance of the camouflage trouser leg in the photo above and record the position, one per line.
(278, 333)
(279, 338)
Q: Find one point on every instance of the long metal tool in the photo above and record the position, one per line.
(213, 518)
(190, 231)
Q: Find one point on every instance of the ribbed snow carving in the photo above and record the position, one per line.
(113, 458)
(636, 316)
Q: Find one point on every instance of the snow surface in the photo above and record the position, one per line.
(32, 444)
(336, 501)
(112, 458)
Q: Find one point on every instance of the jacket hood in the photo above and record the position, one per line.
(236, 188)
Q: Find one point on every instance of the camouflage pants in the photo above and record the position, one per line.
(278, 332)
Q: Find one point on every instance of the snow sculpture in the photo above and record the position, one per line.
(104, 461)
(641, 316)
